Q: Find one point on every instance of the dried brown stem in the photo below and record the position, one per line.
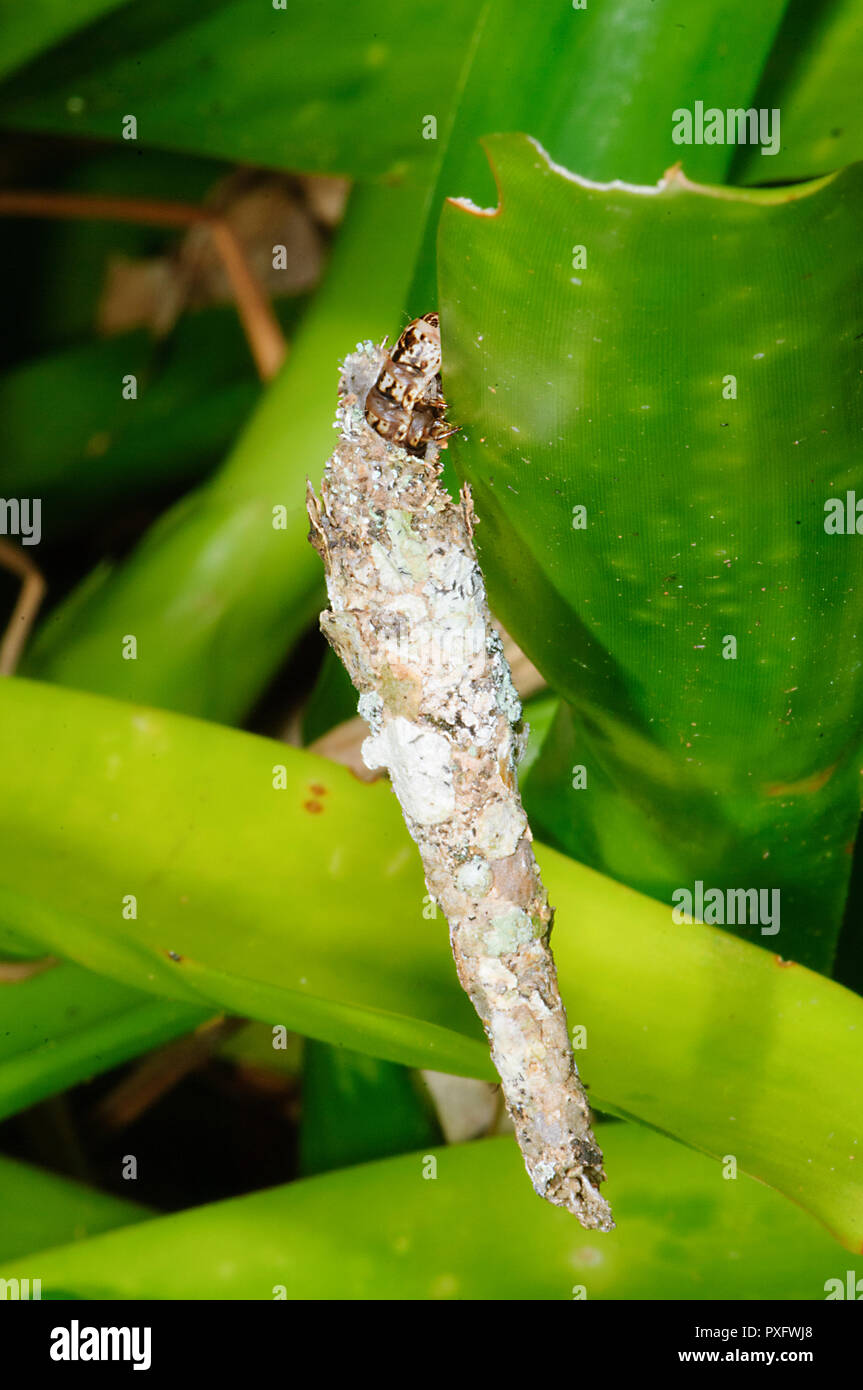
(260, 325)
(13, 972)
(159, 1073)
(15, 559)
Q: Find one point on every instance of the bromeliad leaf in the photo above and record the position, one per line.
(662, 385)
(280, 904)
(402, 1238)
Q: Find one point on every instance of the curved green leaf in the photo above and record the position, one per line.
(213, 595)
(353, 86)
(66, 1024)
(813, 79)
(606, 388)
(216, 593)
(40, 1209)
(356, 1108)
(94, 448)
(304, 906)
(474, 1231)
(613, 120)
(31, 28)
(326, 87)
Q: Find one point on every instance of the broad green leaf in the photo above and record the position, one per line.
(332, 701)
(598, 88)
(354, 86)
(357, 1108)
(603, 388)
(303, 906)
(849, 955)
(213, 594)
(216, 594)
(473, 1231)
(66, 1024)
(94, 448)
(252, 1046)
(29, 29)
(40, 1209)
(813, 79)
(538, 714)
(325, 87)
(381, 1012)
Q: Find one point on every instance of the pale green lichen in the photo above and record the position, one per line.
(474, 878)
(499, 828)
(409, 551)
(507, 932)
(505, 693)
(370, 707)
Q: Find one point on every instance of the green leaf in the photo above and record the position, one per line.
(354, 86)
(66, 1025)
(602, 388)
(304, 907)
(94, 448)
(614, 119)
(31, 28)
(357, 1108)
(252, 1047)
(475, 1231)
(333, 699)
(813, 79)
(324, 87)
(538, 715)
(215, 594)
(39, 1209)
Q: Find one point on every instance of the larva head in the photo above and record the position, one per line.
(419, 346)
